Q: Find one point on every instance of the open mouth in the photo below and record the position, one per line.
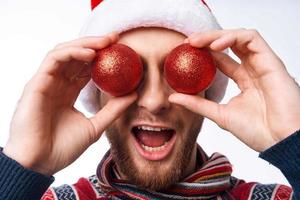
(153, 143)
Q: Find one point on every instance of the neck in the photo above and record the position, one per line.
(191, 168)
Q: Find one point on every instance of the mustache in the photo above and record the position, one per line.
(163, 118)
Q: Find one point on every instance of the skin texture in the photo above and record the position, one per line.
(152, 107)
(47, 134)
(261, 76)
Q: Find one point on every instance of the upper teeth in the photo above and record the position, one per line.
(147, 128)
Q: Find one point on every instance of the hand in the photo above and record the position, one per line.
(47, 133)
(268, 108)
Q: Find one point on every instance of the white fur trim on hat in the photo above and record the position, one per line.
(184, 16)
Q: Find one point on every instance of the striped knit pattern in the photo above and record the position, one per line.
(212, 180)
(208, 182)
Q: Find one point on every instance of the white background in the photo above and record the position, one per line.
(28, 29)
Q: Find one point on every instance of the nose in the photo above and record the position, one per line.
(153, 91)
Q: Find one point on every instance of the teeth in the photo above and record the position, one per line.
(154, 149)
(147, 128)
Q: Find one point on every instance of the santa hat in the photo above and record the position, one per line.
(184, 16)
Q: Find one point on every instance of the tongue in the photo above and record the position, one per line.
(154, 138)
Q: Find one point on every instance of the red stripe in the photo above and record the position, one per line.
(198, 191)
(222, 169)
(84, 189)
(242, 191)
(95, 3)
(48, 195)
(134, 195)
(283, 192)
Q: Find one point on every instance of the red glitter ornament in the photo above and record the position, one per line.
(117, 70)
(189, 70)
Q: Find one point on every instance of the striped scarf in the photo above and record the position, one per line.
(212, 180)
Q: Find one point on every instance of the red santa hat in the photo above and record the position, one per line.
(184, 16)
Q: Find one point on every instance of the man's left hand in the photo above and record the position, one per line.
(268, 108)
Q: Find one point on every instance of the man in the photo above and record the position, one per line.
(153, 131)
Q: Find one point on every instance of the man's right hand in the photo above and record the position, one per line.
(47, 133)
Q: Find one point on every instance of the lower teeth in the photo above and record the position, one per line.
(154, 149)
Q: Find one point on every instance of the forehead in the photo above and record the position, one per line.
(152, 41)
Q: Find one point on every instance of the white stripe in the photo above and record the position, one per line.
(204, 184)
(251, 191)
(75, 191)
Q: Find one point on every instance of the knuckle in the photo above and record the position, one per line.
(59, 46)
(51, 54)
(76, 43)
(253, 32)
(242, 29)
(29, 85)
(236, 31)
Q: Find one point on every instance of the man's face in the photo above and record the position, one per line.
(154, 142)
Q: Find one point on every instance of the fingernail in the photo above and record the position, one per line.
(90, 51)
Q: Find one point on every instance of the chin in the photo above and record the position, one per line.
(151, 174)
(156, 174)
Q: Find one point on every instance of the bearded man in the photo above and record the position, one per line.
(153, 130)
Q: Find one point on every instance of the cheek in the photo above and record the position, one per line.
(117, 134)
(189, 118)
(192, 118)
(124, 120)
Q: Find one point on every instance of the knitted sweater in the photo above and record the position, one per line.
(17, 183)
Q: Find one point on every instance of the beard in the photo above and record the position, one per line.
(153, 175)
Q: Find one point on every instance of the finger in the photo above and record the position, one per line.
(204, 39)
(241, 41)
(76, 69)
(56, 59)
(197, 104)
(226, 64)
(230, 40)
(223, 42)
(114, 37)
(233, 70)
(91, 42)
(83, 77)
(110, 112)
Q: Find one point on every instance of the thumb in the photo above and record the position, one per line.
(110, 112)
(197, 104)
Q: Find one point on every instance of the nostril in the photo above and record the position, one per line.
(154, 103)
